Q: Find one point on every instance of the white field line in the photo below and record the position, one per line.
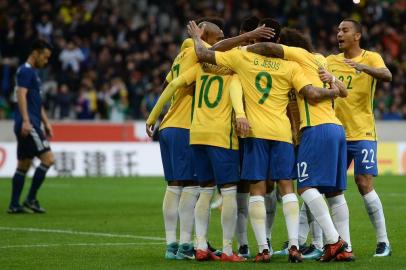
(79, 245)
(111, 235)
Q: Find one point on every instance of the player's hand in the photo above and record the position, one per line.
(242, 126)
(325, 76)
(335, 89)
(352, 64)
(150, 129)
(48, 130)
(194, 31)
(26, 129)
(261, 32)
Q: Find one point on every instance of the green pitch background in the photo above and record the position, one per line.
(116, 223)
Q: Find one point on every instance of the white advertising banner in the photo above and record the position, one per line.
(93, 159)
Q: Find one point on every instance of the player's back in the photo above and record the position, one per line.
(266, 83)
(180, 111)
(356, 111)
(321, 112)
(27, 77)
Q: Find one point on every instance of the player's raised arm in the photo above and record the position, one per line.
(317, 94)
(382, 73)
(267, 49)
(229, 43)
(327, 77)
(202, 53)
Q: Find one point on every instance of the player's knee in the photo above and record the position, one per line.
(48, 160)
(24, 165)
(364, 183)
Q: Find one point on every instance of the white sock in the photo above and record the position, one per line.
(303, 225)
(291, 213)
(186, 210)
(202, 216)
(341, 217)
(229, 218)
(170, 211)
(242, 218)
(257, 214)
(375, 211)
(315, 229)
(319, 209)
(270, 206)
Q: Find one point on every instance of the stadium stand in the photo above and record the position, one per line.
(111, 57)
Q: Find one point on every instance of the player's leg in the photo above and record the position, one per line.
(282, 164)
(17, 185)
(313, 176)
(304, 225)
(256, 169)
(365, 168)
(172, 195)
(270, 205)
(315, 250)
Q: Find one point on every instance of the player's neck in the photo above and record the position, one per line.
(352, 52)
(31, 61)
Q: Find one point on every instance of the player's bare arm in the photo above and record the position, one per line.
(383, 74)
(327, 77)
(22, 105)
(47, 125)
(317, 94)
(202, 53)
(229, 43)
(267, 49)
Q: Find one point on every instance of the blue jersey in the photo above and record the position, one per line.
(27, 77)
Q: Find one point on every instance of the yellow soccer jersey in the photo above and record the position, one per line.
(322, 112)
(356, 110)
(212, 122)
(266, 83)
(180, 111)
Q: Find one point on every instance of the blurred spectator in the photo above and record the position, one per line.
(110, 57)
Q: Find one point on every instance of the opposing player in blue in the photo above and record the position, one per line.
(31, 141)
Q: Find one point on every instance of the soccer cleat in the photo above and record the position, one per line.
(206, 255)
(312, 253)
(270, 246)
(17, 210)
(214, 250)
(382, 250)
(345, 256)
(294, 255)
(171, 251)
(284, 251)
(185, 252)
(34, 206)
(244, 251)
(332, 250)
(264, 257)
(232, 258)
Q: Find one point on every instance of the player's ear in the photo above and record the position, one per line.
(357, 36)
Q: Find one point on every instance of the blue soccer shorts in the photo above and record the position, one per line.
(176, 154)
(322, 158)
(364, 155)
(268, 160)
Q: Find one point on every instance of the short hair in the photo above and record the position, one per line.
(292, 37)
(215, 20)
(274, 24)
(40, 44)
(249, 23)
(356, 24)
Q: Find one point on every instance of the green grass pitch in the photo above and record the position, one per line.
(116, 223)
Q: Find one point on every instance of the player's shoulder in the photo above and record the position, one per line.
(25, 69)
(370, 54)
(335, 57)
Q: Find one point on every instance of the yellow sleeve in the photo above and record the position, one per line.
(191, 74)
(236, 95)
(168, 77)
(376, 61)
(329, 61)
(167, 94)
(187, 43)
(228, 59)
(294, 53)
(299, 80)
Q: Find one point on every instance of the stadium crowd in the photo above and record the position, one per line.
(111, 57)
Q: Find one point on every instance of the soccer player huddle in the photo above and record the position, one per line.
(264, 109)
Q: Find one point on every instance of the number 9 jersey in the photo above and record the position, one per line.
(266, 83)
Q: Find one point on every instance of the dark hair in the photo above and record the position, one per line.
(274, 24)
(215, 20)
(40, 44)
(357, 25)
(292, 37)
(249, 24)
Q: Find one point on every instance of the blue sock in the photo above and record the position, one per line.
(17, 187)
(37, 179)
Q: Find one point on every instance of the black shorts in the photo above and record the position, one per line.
(33, 145)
